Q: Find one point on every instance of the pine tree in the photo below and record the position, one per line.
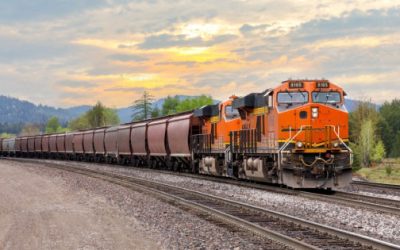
(142, 108)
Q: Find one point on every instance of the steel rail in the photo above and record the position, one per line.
(375, 184)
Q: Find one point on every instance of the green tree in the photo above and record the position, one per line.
(142, 107)
(194, 103)
(385, 131)
(98, 116)
(396, 146)
(379, 152)
(390, 113)
(155, 113)
(173, 105)
(357, 156)
(170, 104)
(53, 126)
(365, 111)
(366, 142)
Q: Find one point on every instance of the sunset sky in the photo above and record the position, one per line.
(71, 52)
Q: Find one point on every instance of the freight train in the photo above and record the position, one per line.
(294, 135)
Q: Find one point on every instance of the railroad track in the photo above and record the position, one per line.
(344, 198)
(287, 230)
(377, 185)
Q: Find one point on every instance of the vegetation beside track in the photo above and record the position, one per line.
(388, 172)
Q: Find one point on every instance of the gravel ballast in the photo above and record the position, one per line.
(161, 224)
(382, 226)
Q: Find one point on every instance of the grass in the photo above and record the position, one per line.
(387, 172)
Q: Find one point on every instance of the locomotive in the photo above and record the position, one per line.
(294, 135)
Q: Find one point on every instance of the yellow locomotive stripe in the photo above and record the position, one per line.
(314, 145)
(260, 111)
(214, 119)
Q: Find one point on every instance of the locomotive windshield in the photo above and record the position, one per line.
(326, 97)
(292, 97)
(231, 113)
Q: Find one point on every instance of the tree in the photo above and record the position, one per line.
(379, 152)
(173, 105)
(367, 142)
(53, 126)
(142, 107)
(385, 131)
(396, 146)
(170, 104)
(98, 116)
(365, 111)
(194, 103)
(30, 129)
(155, 113)
(390, 124)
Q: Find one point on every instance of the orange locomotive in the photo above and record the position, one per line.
(294, 135)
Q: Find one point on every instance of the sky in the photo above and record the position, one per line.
(66, 53)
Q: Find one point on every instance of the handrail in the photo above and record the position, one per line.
(291, 138)
(342, 142)
(285, 145)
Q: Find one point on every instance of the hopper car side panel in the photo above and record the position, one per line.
(138, 139)
(156, 137)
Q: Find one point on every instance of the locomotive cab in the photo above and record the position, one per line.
(217, 121)
(295, 135)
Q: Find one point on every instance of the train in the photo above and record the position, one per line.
(295, 135)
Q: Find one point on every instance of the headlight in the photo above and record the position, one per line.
(299, 144)
(336, 144)
(314, 112)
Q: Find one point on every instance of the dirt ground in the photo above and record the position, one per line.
(36, 213)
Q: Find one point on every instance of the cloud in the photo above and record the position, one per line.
(168, 41)
(76, 84)
(78, 52)
(128, 58)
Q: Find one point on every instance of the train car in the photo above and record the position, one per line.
(210, 147)
(69, 146)
(294, 135)
(111, 144)
(31, 146)
(46, 146)
(124, 143)
(9, 147)
(139, 144)
(98, 143)
(88, 145)
(53, 152)
(60, 142)
(17, 146)
(77, 141)
(156, 142)
(179, 131)
(1, 146)
(24, 146)
(38, 146)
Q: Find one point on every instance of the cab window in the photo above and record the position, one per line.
(331, 97)
(231, 113)
(292, 97)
